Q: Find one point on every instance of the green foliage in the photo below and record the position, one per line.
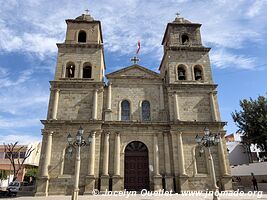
(3, 175)
(32, 172)
(252, 121)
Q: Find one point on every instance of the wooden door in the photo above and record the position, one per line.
(136, 167)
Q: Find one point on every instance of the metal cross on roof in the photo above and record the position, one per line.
(177, 14)
(135, 60)
(86, 11)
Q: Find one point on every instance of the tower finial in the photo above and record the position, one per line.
(86, 11)
(177, 14)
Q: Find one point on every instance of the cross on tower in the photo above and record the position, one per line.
(177, 15)
(86, 11)
(135, 60)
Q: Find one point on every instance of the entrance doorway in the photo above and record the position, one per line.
(136, 173)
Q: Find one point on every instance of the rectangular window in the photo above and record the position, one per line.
(14, 154)
(22, 154)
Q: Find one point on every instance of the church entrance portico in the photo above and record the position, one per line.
(136, 171)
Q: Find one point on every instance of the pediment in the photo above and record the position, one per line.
(134, 71)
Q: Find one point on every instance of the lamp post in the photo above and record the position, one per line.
(79, 141)
(207, 141)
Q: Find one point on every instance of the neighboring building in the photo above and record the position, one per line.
(143, 124)
(31, 161)
(239, 153)
(242, 175)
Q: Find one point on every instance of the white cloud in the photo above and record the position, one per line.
(256, 7)
(225, 23)
(23, 139)
(6, 81)
(223, 59)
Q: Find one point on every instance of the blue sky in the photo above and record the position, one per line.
(29, 30)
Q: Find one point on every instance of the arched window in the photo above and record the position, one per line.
(181, 72)
(82, 36)
(125, 110)
(145, 111)
(185, 39)
(70, 70)
(201, 160)
(87, 71)
(198, 73)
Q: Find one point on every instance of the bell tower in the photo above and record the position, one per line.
(77, 88)
(185, 58)
(81, 56)
(186, 71)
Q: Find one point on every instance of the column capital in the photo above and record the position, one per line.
(117, 133)
(46, 132)
(165, 132)
(93, 133)
(156, 135)
(107, 133)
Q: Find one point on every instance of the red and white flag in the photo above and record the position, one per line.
(138, 46)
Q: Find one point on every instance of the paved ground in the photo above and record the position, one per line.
(246, 196)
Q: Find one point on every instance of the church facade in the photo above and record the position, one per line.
(142, 124)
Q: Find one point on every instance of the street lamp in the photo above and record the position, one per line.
(207, 141)
(78, 142)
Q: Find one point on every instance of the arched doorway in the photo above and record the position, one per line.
(136, 170)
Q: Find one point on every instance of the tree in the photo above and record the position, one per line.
(12, 153)
(252, 122)
(3, 175)
(30, 175)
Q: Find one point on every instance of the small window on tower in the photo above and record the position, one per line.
(198, 73)
(181, 72)
(87, 72)
(82, 37)
(185, 39)
(70, 70)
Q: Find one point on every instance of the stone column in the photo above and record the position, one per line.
(80, 70)
(106, 155)
(176, 107)
(156, 155)
(157, 176)
(47, 153)
(76, 71)
(213, 107)
(91, 178)
(168, 176)
(104, 185)
(117, 155)
(167, 154)
(94, 114)
(109, 97)
(43, 179)
(222, 158)
(181, 155)
(91, 169)
(63, 71)
(55, 103)
(61, 170)
(161, 97)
